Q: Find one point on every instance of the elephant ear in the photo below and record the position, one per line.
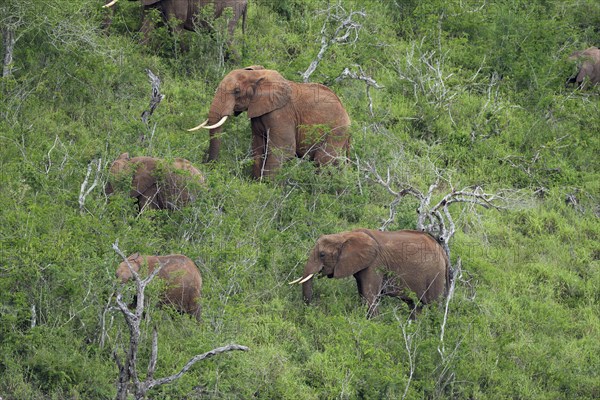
(358, 252)
(149, 2)
(133, 257)
(271, 92)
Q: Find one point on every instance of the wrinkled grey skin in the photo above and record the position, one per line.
(182, 277)
(186, 11)
(399, 263)
(588, 73)
(156, 184)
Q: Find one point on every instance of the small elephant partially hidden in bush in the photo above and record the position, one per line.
(398, 263)
(188, 13)
(182, 277)
(589, 67)
(155, 183)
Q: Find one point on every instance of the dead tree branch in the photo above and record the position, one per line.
(12, 19)
(155, 97)
(8, 44)
(361, 76)
(346, 28)
(128, 371)
(85, 191)
(435, 219)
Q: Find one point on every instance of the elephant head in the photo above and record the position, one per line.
(253, 89)
(124, 272)
(337, 256)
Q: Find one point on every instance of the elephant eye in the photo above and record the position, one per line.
(236, 91)
(322, 254)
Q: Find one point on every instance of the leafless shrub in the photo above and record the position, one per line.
(435, 218)
(361, 76)
(129, 379)
(346, 31)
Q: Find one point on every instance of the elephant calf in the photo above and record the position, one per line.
(184, 283)
(154, 183)
(589, 67)
(397, 263)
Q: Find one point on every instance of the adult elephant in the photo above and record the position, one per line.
(288, 119)
(589, 60)
(398, 263)
(155, 183)
(181, 275)
(187, 11)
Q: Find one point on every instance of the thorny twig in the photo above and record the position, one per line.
(347, 26)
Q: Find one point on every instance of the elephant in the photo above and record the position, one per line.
(187, 12)
(288, 119)
(182, 277)
(401, 263)
(590, 67)
(154, 183)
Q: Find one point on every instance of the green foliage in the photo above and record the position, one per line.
(472, 91)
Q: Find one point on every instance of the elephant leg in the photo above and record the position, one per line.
(276, 145)
(149, 200)
(258, 153)
(369, 284)
(336, 145)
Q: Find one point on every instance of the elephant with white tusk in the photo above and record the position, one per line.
(288, 119)
(398, 263)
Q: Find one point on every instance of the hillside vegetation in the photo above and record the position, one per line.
(470, 94)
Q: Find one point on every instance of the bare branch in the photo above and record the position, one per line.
(196, 359)
(84, 190)
(155, 97)
(457, 273)
(361, 76)
(347, 27)
(8, 44)
(435, 219)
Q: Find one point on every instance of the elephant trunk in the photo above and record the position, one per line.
(313, 267)
(220, 107)
(307, 291)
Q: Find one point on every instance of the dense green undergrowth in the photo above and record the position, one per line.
(471, 92)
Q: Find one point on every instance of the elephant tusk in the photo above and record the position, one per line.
(218, 124)
(112, 3)
(307, 278)
(295, 281)
(198, 127)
